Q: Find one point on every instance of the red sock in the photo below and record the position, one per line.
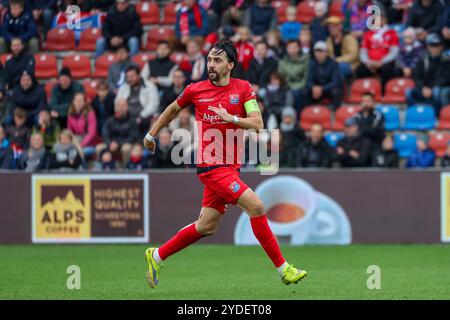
(262, 232)
(186, 236)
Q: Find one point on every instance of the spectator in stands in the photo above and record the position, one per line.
(244, 46)
(396, 10)
(192, 21)
(137, 160)
(234, 12)
(260, 18)
(213, 8)
(379, 51)
(6, 152)
(342, 47)
(103, 104)
(172, 92)
(142, 97)
(29, 95)
(18, 135)
(429, 75)
(445, 161)
(290, 30)
(318, 25)
(185, 120)
(44, 10)
(19, 62)
(305, 40)
(423, 156)
(294, 69)
(359, 17)
(160, 70)
(386, 156)
(324, 78)
(65, 154)
(446, 26)
(36, 157)
(19, 23)
(106, 162)
(261, 66)
(116, 72)
(122, 26)
(120, 132)
(48, 128)
(162, 156)
(276, 96)
(425, 17)
(94, 6)
(353, 150)
(274, 43)
(2, 91)
(315, 152)
(82, 122)
(194, 66)
(62, 95)
(411, 51)
(370, 121)
(291, 138)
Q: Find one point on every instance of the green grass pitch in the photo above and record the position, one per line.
(225, 272)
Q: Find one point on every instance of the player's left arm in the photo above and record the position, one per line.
(252, 121)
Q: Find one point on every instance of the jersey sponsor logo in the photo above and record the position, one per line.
(234, 98)
(205, 100)
(234, 187)
(209, 117)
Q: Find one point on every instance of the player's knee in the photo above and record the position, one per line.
(206, 229)
(256, 208)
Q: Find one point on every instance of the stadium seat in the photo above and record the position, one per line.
(280, 7)
(48, 87)
(333, 138)
(90, 87)
(102, 64)
(88, 39)
(148, 12)
(336, 9)
(142, 58)
(305, 11)
(5, 57)
(169, 14)
(438, 142)
(342, 114)
(79, 65)
(405, 143)
(395, 90)
(315, 114)
(391, 116)
(419, 117)
(60, 40)
(360, 86)
(157, 34)
(444, 118)
(46, 66)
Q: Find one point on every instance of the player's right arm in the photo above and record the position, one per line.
(163, 120)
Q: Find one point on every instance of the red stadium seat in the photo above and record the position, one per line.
(90, 87)
(5, 57)
(142, 58)
(60, 40)
(360, 86)
(148, 12)
(48, 88)
(396, 89)
(79, 65)
(305, 11)
(336, 9)
(157, 34)
(280, 7)
(45, 66)
(88, 39)
(315, 114)
(169, 14)
(444, 118)
(438, 142)
(102, 65)
(342, 114)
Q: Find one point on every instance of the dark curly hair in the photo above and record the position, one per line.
(229, 49)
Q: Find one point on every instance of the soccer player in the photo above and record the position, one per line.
(221, 103)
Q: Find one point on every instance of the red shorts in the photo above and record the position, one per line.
(223, 186)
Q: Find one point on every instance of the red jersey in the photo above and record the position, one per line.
(213, 148)
(378, 43)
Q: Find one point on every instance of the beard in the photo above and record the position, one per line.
(214, 76)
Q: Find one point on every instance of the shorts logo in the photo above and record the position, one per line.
(234, 187)
(234, 98)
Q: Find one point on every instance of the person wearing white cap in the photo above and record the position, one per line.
(324, 78)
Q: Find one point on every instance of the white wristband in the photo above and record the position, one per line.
(235, 120)
(149, 137)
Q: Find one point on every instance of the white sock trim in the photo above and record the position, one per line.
(156, 256)
(281, 268)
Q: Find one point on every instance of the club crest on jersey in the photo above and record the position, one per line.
(234, 187)
(234, 98)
